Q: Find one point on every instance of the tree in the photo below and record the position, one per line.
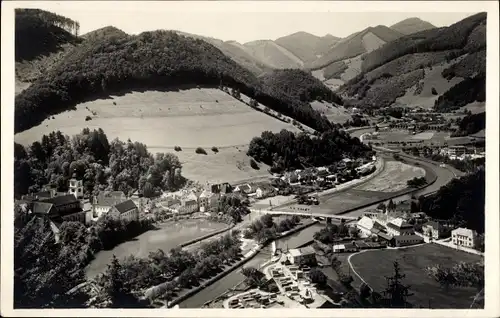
(253, 277)
(317, 277)
(381, 206)
(364, 291)
(396, 293)
(391, 206)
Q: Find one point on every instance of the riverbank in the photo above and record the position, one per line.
(246, 258)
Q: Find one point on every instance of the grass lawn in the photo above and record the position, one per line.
(374, 265)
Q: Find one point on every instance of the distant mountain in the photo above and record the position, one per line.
(356, 44)
(270, 53)
(443, 68)
(412, 25)
(306, 46)
(236, 52)
(104, 32)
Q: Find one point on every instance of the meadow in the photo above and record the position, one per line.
(190, 118)
(373, 266)
(393, 178)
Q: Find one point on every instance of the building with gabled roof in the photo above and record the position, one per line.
(464, 237)
(126, 210)
(398, 227)
(105, 200)
(435, 229)
(406, 240)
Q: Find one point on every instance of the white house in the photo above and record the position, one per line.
(126, 210)
(208, 201)
(244, 188)
(304, 254)
(189, 203)
(464, 237)
(263, 191)
(433, 228)
(365, 225)
(398, 227)
(76, 187)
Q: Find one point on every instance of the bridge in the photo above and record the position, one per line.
(307, 212)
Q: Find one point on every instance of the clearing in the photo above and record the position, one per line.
(373, 266)
(335, 114)
(168, 236)
(187, 118)
(393, 178)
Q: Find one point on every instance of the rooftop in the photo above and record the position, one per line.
(125, 206)
(463, 231)
(62, 200)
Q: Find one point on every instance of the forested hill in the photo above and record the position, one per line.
(404, 66)
(38, 32)
(300, 85)
(159, 59)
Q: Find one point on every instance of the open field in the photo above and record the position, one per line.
(168, 235)
(403, 135)
(162, 120)
(374, 265)
(393, 178)
(334, 114)
(475, 107)
(420, 95)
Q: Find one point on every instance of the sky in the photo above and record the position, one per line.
(233, 21)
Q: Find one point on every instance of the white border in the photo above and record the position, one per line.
(492, 204)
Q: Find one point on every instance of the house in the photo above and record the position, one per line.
(263, 191)
(221, 188)
(126, 210)
(189, 203)
(398, 227)
(243, 188)
(366, 225)
(344, 248)
(464, 237)
(406, 240)
(105, 200)
(61, 208)
(208, 201)
(291, 177)
(432, 229)
(302, 255)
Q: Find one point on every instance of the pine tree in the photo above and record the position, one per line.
(396, 292)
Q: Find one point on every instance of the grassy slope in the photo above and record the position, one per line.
(270, 53)
(307, 46)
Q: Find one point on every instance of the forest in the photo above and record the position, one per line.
(40, 32)
(467, 91)
(102, 165)
(471, 124)
(461, 201)
(101, 65)
(285, 151)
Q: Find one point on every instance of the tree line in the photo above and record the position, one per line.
(153, 60)
(284, 150)
(102, 165)
(469, 90)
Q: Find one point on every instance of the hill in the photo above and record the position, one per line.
(272, 54)
(356, 44)
(402, 69)
(41, 39)
(105, 32)
(102, 66)
(306, 46)
(411, 25)
(300, 85)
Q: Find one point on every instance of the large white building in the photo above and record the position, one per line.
(464, 237)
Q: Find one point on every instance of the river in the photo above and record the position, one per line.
(235, 277)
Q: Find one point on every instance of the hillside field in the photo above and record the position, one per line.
(334, 114)
(189, 118)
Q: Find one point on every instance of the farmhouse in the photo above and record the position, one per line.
(263, 191)
(105, 200)
(302, 255)
(464, 237)
(432, 229)
(126, 210)
(398, 227)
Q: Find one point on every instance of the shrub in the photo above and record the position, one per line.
(177, 148)
(254, 164)
(87, 118)
(433, 91)
(200, 151)
(215, 149)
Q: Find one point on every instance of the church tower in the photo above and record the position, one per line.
(76, 187)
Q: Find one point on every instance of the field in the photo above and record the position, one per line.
(373, 266)
(393, 178)
(168, 235)
(334, 114)
(162, 120)
(403, 135)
